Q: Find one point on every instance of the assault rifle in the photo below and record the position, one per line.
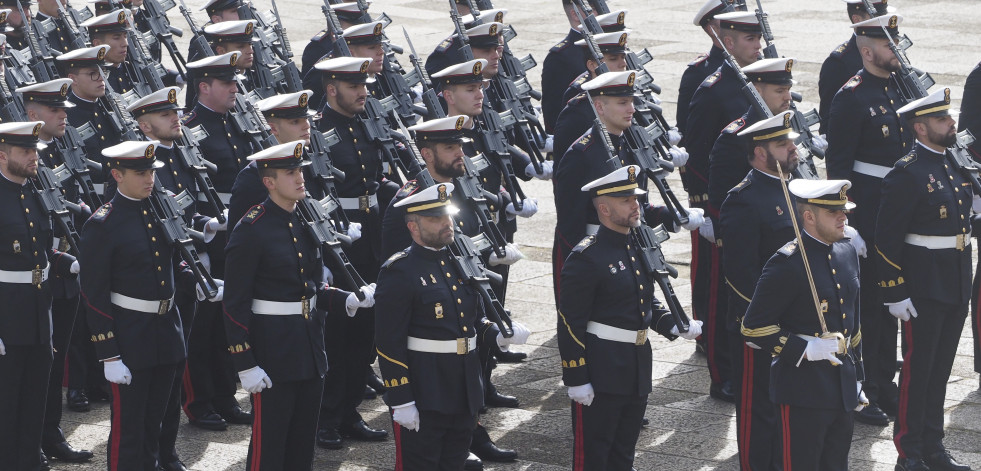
(316, 218)
(164, 207)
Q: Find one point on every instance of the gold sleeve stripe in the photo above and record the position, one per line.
(887, 258)
(390, 359)
(760, 332)
(856, 338)
(741, 295)
(567, 326)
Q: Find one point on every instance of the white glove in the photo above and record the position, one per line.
(3, 349)
(696, 217)
(694, 330)
(819, 349)
(75, 267)
(212, 227)
(406, 416)
(417, 93)
(549, 144)
(862, 399)
(217, 297)
(679, 156)
(354, 231)
(511, 256)
(254, 380)
(582, 394)
(117, 372)
(902, 310)
(328, 276)
(520, 336)
(546, 173)
(976, 204)
(707, 231)
(857, 241)
(528, 210)
(820, 141)
(674, 136)
(353, 303)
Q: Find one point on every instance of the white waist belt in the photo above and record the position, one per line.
(30, 277)
(616, 334)
(592, 229)
(459, 346)
(225, 198)
(360, 203)
(871, 170)
(958, 242)
(277, 308)
(159, 307)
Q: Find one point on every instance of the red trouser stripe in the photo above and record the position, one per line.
(578, 452)
(397, 429)
(901, 418)
(713, 322)
(256, 431)
(785, 419)
(115, 429)
(746, 408)
(188, 392)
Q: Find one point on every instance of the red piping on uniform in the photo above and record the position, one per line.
(785, 416)
(746, 408)
(901, 418)
(229, 316)
(579, 454)
(256, 431)
(188, 392)
(712, 314)
(89, 304)
(397, 429)
(115, 431)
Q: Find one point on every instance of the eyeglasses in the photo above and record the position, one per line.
(94, 75)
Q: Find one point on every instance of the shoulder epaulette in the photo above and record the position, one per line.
(852, 83)
(698, 60)
(585, 140)
(409, 188)
(711, 79)
(734, 126)
(905, 161)
(576, 99)
(789, 248)
(445, 45)
(579, 80)
(102, 213)
(254, 214)
(584, 243)
(395, 257)
(740, 186)
(841, 48)
(560, 46)
(321, 35)
(189, 117)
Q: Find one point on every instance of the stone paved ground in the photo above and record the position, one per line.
(688, 429)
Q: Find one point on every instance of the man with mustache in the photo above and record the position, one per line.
(923, 237)
(27, 260)
(865, 137)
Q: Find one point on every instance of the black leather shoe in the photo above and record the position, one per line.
(44, 463)
(77, 401)
(370, 393)
(329, 438)
(645, 422)
(889, 405)
(911, 464)
(511, 357)
(374, 382)
(872, 415)
(237, 416)
(488, 451)
(473, 463)
(942, 461)
(361, 431)
(64, 452)
(496, 399)
(211, 421)
(173, 466)
(723, 392)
